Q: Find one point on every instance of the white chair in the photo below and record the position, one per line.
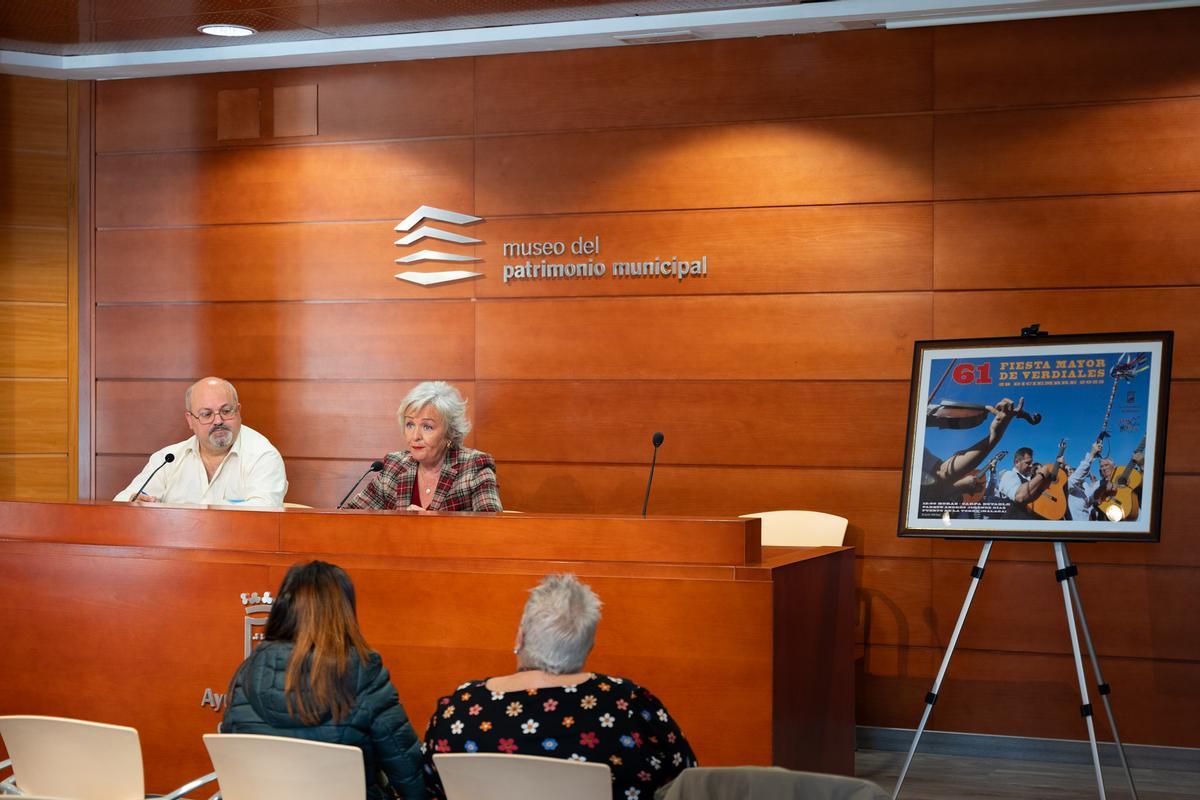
(496, 776)
(295, 505)
(253, 767)
(75, 759)
(801, 528)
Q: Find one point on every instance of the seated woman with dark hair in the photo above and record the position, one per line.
(314, 677)
(551, 707)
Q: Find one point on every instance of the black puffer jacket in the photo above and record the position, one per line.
(376, 724)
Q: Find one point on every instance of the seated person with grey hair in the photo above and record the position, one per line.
(551, 707)
(436, 472)
(223, 463)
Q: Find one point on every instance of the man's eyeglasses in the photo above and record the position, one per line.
(206, 415)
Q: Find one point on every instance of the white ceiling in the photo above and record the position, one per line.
(79, 42)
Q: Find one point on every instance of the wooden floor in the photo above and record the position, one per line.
(940, 777)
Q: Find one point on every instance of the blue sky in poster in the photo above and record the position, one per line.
(1072, 407)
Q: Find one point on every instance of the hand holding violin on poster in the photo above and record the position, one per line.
(949, 414)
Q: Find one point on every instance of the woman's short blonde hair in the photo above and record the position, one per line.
(444, 399)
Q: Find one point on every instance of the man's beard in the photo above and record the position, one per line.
(220, 437)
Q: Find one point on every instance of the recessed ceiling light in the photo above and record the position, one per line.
(225, 29)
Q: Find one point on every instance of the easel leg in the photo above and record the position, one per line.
(931, 697)
(1085, 708)
(1102, 688)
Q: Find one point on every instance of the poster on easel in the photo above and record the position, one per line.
(1057, 438)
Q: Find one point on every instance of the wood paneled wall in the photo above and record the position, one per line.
(37, 304)
(852, 192)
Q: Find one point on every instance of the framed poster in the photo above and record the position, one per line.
(1048, 438)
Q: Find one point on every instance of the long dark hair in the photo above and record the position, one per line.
(315, 611)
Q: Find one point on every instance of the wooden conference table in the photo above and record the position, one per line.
(136, 616)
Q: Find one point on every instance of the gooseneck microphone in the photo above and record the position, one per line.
(376, 466)
(167, 459)
(657, 440)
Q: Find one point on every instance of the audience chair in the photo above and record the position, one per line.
(766, 783)
(801, 528)
(253, 767)
(75, 759)
(295, 505)
(496, 776)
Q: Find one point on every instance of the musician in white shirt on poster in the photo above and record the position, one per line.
(223, 463)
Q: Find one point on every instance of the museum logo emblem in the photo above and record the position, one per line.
(424, 232)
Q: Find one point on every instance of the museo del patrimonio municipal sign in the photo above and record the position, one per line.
(576, 257)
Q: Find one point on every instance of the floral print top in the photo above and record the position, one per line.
(604, 719)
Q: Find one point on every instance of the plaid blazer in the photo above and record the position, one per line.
(467, 483)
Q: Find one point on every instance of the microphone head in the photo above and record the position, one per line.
(376, 466)
(658, 438)
(168, 458)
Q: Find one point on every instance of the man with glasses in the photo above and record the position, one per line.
(223, 463)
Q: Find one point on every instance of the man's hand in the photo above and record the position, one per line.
(1003, 413)
(1139, 459)
(1097, 448)
(145, 498)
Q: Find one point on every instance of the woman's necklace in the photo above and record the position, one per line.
(430, 480)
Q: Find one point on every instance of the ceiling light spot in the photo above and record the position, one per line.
(226, 29)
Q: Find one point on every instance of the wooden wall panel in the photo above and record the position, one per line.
(1077, 150)
(705, 423)
(278, 262)
(35, 190)
(285, 340)
(282, 184)
(321, 482)
(181, 112)
(1183, 429)
(854, 160)
(759, 250)
(33, 115)
(36, 340)
(36, 314)
(1025, 694)
(34, 477)
(33, 264)
(1177, 547)
(114, 473)
(1110, 240)
(867, 498)
(35, 416)
(810, 337)
(1004, 313)
(1132, 610)
(303, 419)
(894, 598)
(1081, 59)
(722, 81)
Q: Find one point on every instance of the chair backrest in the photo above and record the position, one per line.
(295, 505)
(252, 767)
(496, 776)
(73, 758)
(801, 528)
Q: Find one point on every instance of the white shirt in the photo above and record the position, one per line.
(252, 474)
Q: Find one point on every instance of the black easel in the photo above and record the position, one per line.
(1065, 574)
